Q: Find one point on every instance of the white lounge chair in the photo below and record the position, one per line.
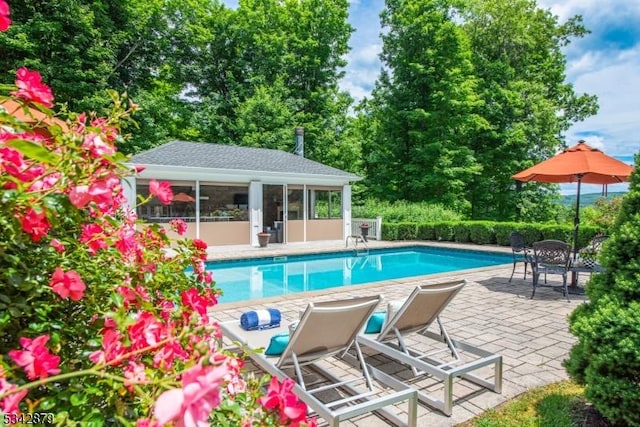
(326, 330)
(450, 358)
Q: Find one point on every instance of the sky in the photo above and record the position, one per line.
(605, 63)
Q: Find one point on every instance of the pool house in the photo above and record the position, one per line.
(227, 194)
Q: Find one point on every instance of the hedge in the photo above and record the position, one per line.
(484, 232)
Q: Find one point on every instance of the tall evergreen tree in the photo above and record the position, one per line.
(606, 357)
(424, 107)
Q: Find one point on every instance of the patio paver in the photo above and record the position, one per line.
(531, 334)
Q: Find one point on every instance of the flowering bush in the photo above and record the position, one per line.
(99, 321)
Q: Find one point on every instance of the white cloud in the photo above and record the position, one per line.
(368, 54)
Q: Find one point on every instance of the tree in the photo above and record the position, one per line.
(518, 60)
(606, 357)
(68, 41)
(287, 52)
(424, 106)
(473, 91)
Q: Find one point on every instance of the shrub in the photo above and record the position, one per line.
(402, 211)
(444, 231)
(461, 232)
(502, 231)
(407, 231)
(389, 231)
(426, 231)
(482, 232)
(602, 214)
(606, 357)
(556, 232)
(100, 323)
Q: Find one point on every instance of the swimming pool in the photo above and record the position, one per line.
(249, 279)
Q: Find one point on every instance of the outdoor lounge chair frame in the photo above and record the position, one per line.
(419, 311)
(305, 349)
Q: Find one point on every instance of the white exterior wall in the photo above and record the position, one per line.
(346, 210)
(255, 210)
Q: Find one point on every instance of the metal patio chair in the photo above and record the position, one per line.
(551, 257)
(520, 251)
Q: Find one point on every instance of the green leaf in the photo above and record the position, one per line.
(34, 151)
(47, 403)
(78, 399)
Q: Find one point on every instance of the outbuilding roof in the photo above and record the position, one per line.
(234, 158)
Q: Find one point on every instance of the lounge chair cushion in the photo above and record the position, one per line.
(260, 319)
(375, 322)
(277, 344)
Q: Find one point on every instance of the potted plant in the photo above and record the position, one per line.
(364, 230)
(263, 238)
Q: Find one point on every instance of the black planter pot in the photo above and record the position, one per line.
(364, 231)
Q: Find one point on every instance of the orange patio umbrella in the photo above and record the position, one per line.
(580, 163)
(183, 197)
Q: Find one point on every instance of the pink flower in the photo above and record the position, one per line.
(126, 243)
(102, 192)
(93, 236)
(31, 88)
(162, 190)
(79, 196)
(13, 161)
(4, 25)
(146, 422)
(191, 405)
(57, 245)
(192, 299)
(35, 223)
(200, 244)
(134, 374)
(67, 285)
(179, 226)
(168, 353)
(35, 359)
(96, 146)
(10, 403)
(46, 182)
(279, 396)
(146, 331)
(112, 347)
(206, 277)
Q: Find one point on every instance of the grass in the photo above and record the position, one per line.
(556, 405)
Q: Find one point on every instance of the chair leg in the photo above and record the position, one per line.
(525, 270)
(565, 288)
(513, 270)
(536, 276)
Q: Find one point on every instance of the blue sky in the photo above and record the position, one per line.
(605, 63)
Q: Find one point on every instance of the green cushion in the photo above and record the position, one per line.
(277, 344)
(375, 322)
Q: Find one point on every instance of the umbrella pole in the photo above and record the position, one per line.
(576, 226)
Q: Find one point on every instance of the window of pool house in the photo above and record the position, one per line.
(325, 204)
(224, 203)
(183, 205)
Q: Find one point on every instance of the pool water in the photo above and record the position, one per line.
(249, 279)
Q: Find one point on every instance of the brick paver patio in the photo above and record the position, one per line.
(531, 334)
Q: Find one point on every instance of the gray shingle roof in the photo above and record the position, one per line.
(231, 157)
